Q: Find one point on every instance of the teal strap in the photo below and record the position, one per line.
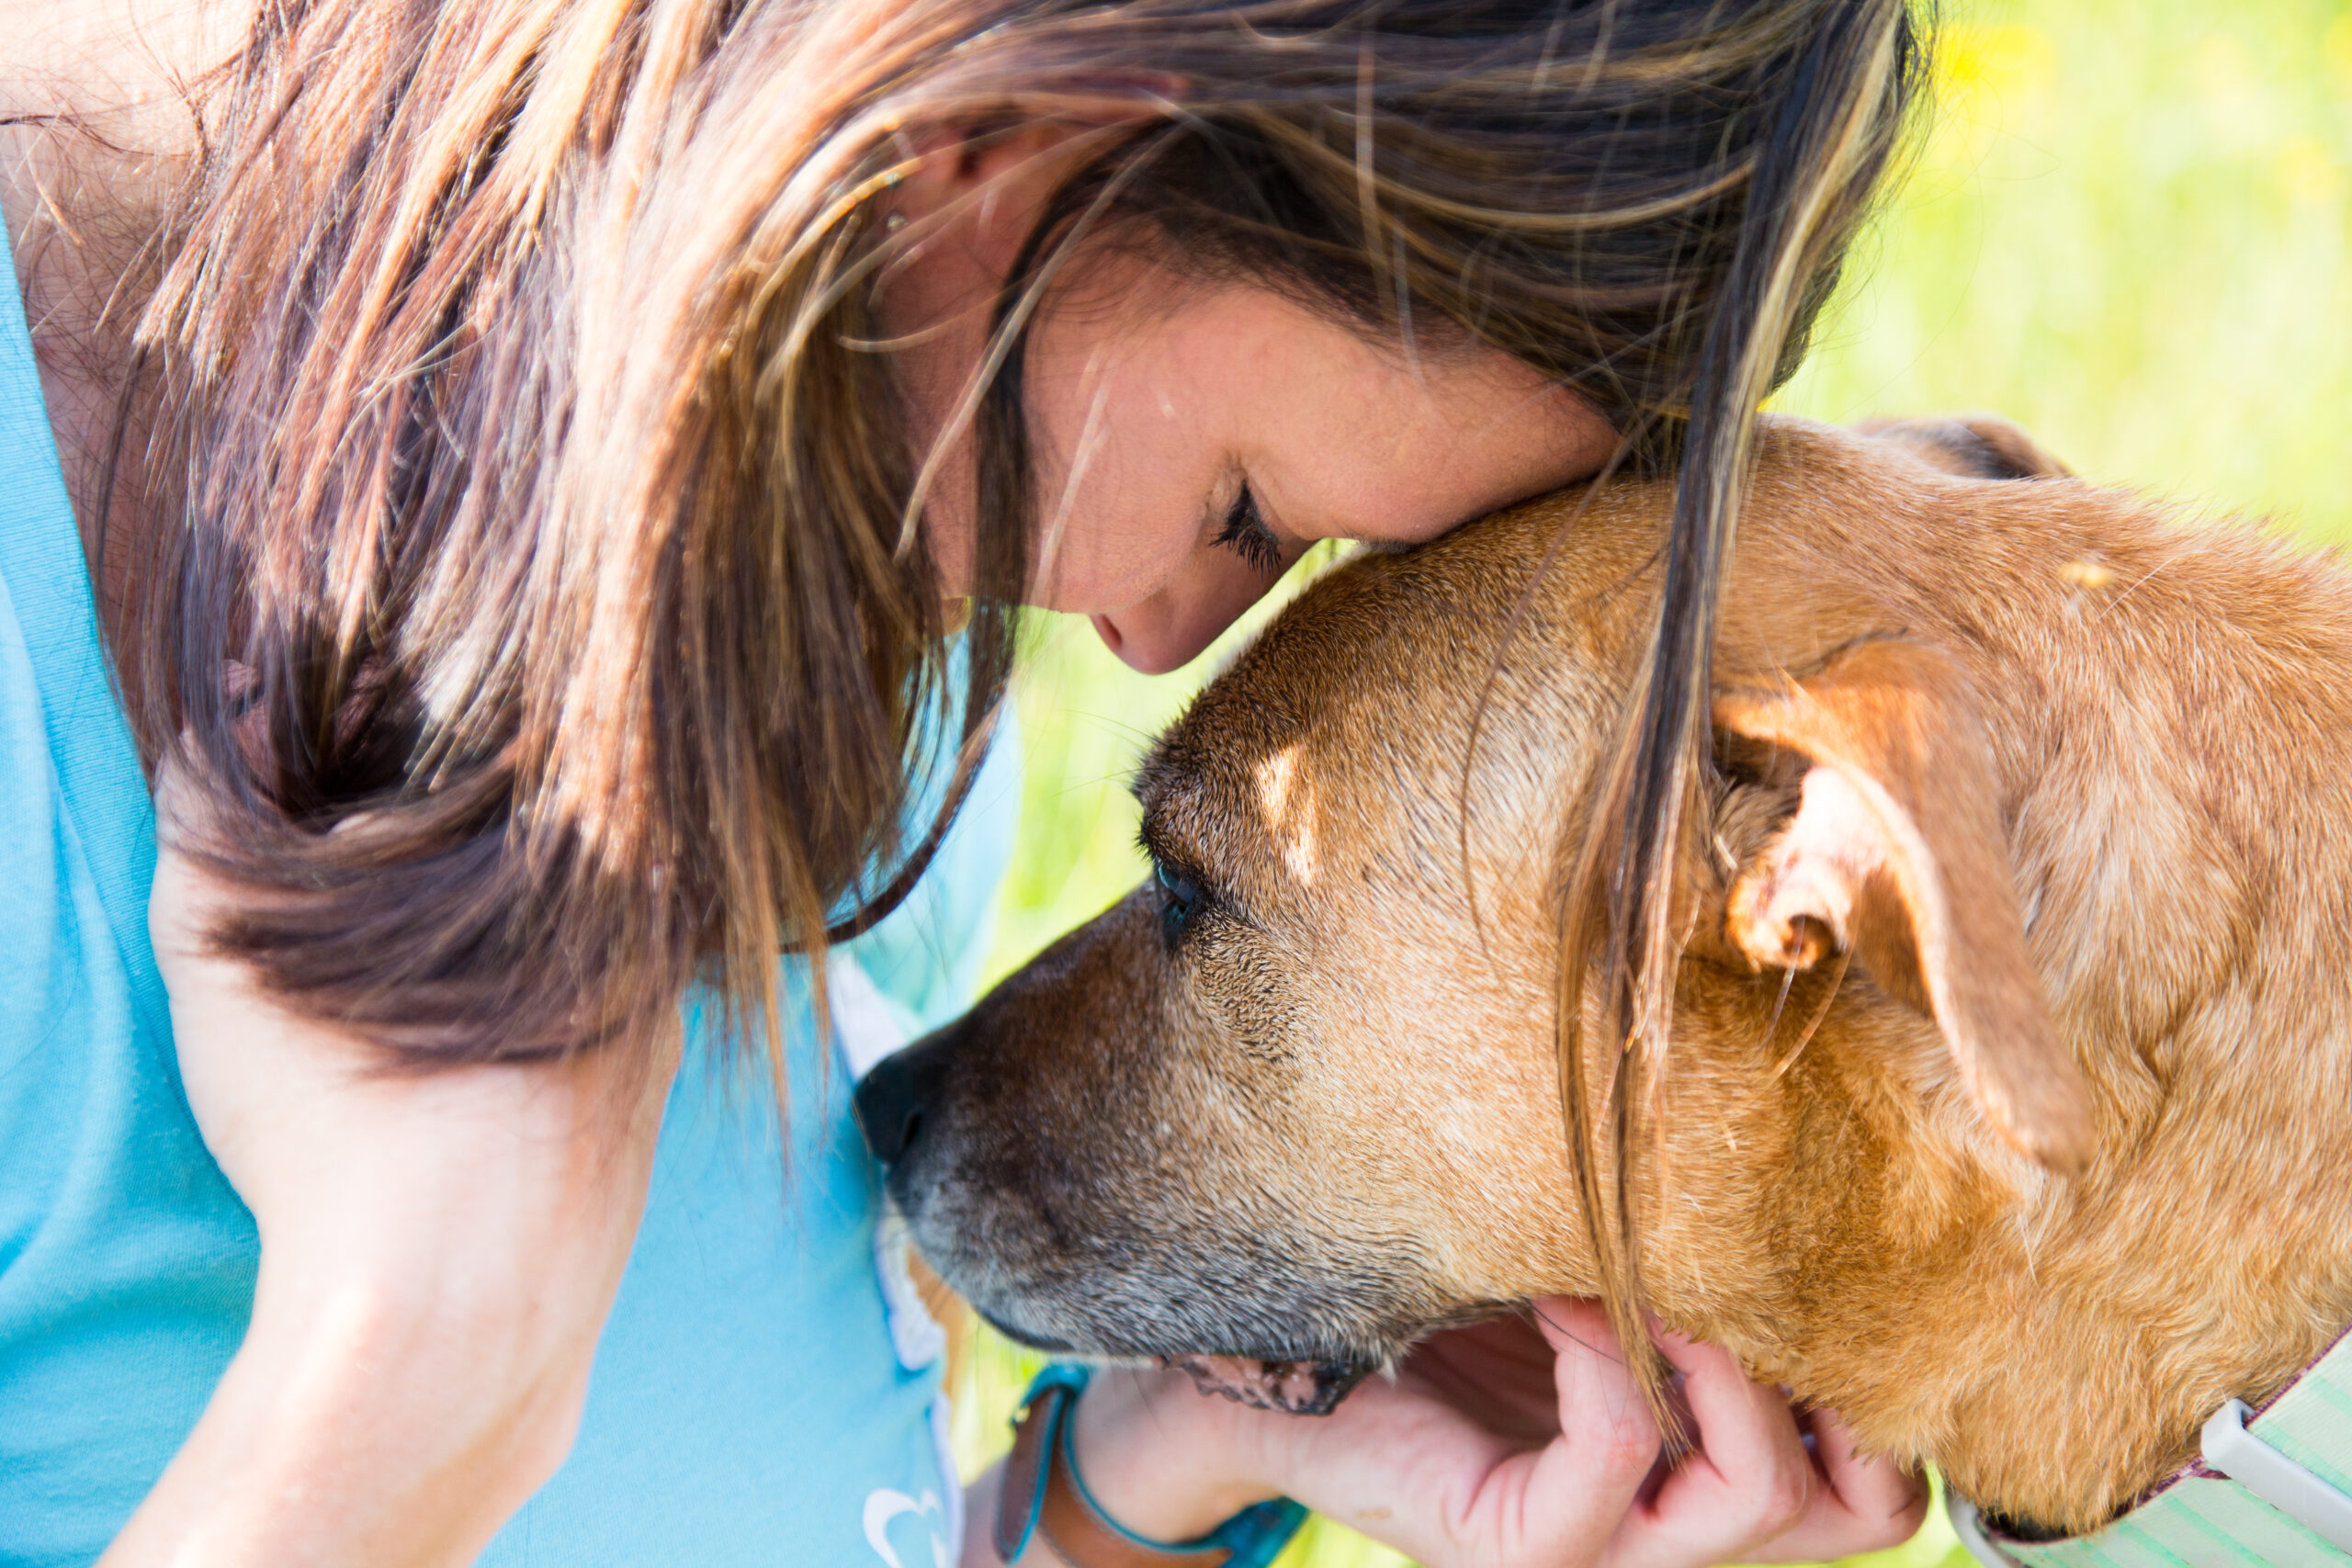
(1015, 1529)
(1255, 1536)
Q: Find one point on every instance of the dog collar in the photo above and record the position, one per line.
(2272, 1485)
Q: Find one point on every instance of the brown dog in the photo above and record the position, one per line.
(2010, 1103)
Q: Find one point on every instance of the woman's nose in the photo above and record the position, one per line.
(1143, 644)
(1170, 629)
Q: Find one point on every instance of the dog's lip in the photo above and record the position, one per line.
(1307, 1387)
(1025, 1337)
(1296, 1387)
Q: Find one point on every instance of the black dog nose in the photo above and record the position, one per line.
(893, 1100)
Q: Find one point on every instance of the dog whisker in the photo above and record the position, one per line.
(1780, 1003)
(1577, 1339)
(1837, 981)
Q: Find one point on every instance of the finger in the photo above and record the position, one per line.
(1865, 1503)
(1747, 1482)
(1426, 1476)
(1417, 1473)
(1593, 1380)
(1746, 1430)
(1567, 1496)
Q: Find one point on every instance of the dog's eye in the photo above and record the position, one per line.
(1180, 899)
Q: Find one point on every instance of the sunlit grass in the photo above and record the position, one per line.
(2126, 229)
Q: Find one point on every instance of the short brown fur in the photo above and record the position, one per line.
(2008, 1111)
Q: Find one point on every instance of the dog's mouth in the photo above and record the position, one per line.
(1297, 1388)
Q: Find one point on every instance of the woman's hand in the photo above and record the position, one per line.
(439, 1252)
(1509, 1444)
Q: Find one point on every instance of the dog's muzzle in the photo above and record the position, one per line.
(898, 1104)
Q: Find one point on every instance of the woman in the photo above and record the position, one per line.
(534, 522)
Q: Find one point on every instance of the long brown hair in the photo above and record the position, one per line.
(544, 600)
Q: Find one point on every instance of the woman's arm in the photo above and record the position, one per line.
(1497, 1449)
(438, 1255)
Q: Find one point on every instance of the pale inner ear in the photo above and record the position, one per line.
(1830, 883)
(1896, 855)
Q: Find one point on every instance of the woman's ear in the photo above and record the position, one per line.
(989, 178)
(1897, 856)
(985, 184)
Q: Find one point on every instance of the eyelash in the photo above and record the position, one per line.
(1180, 901)
(1247, 535)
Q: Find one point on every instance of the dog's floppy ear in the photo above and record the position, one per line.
(1974, 447)
(1896, 854)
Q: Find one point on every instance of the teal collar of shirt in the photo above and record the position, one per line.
(2272, 1487)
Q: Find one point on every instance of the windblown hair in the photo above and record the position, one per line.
(545, 606)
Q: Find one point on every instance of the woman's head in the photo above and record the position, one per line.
(575, 474)
(1193, 428)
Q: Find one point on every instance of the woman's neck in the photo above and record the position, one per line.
(97, 125)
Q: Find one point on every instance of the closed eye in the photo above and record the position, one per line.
(1247, 535)
(1181, 900)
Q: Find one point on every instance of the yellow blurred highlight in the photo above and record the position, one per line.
(2308, 172)
(2336, 47)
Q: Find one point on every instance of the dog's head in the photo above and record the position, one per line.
(1294, 1102)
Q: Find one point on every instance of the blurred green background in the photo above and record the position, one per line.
(2125, 228)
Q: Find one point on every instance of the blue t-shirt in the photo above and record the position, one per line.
(765, 1392)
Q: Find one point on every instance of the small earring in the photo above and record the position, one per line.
(894, 222)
